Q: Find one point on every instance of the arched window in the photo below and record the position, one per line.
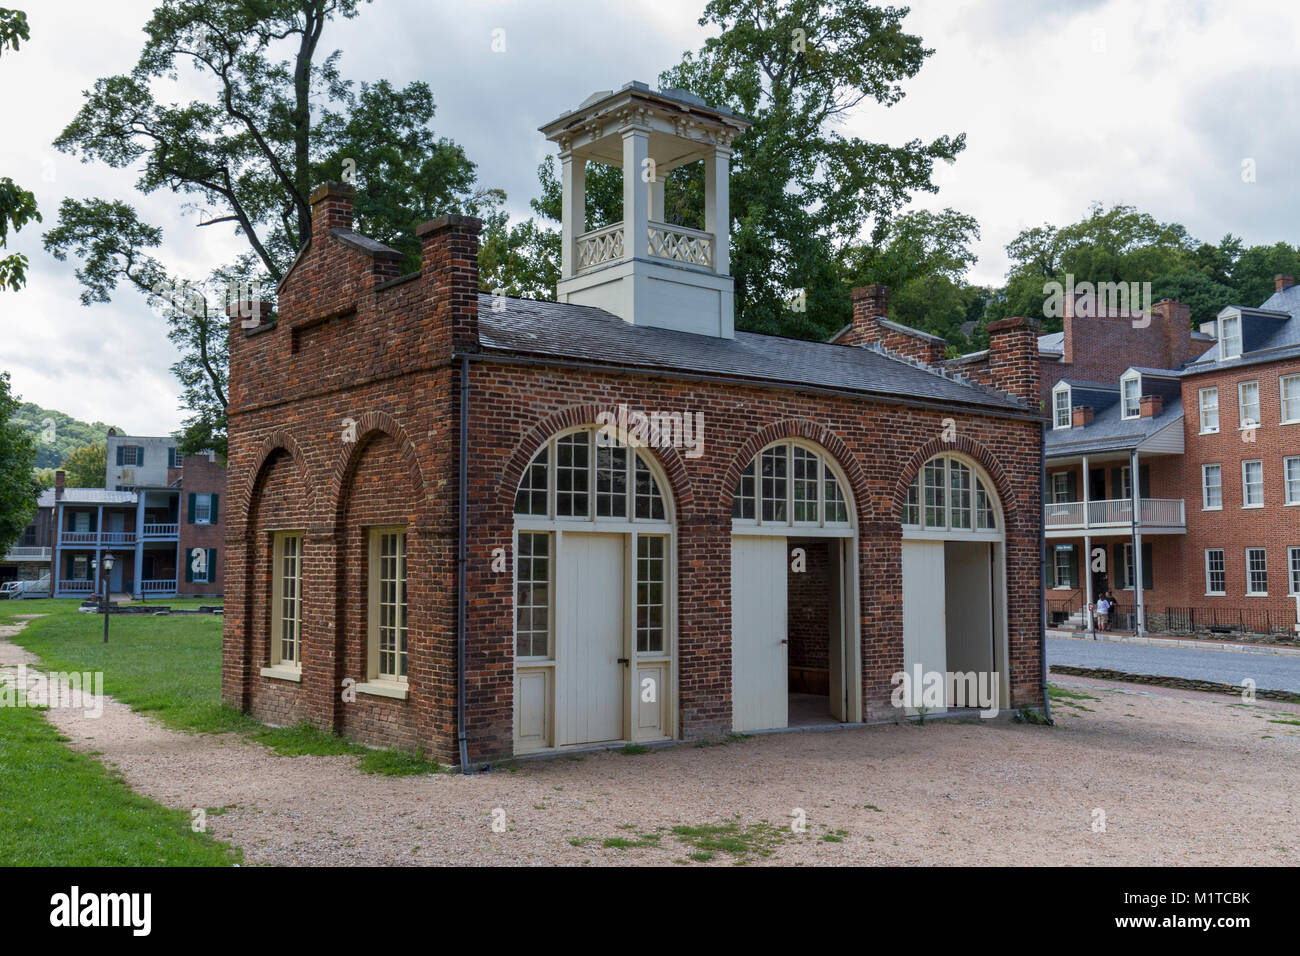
(790, 484)
(588, 475)
(948, 494)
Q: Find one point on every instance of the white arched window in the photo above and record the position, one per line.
(951, 495)
(587, 475)
(790, 484)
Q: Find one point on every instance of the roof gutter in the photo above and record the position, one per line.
(884, 399)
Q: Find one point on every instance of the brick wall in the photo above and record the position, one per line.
(344, 414)
(808, 606)
(201, 475)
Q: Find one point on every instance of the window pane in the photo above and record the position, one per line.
(984, 517)
(1214, 571)
(1248, 396)
(1293, 555)
(611, 482)
(650, 577)
(805, 466)
(1212, 482)
(837, 509)
(391, 610)
(1253, 482)
(912, 506)
(1256, 571)
(649, 502)
(935, 507)
(1290, 388)
(742, 505)
(774, 464)
(1209, 409)
(530, 499)
(960, 485)
(532, 596)
(1291, 474)
(572, 458)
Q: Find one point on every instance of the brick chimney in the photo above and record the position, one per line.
(1150, 406)
(331, 208)
(60, 480)
(1081, 415)
(1281, 282)
(870, 302)
(1175, 320)
(449, 264)
(1013, 357)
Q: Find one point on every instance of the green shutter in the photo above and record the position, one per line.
(212, 565)
(1144, 481)
(190, 504)
(1117, 577)
(189, 566)
(212, 516)
(1072, 486)
(1147, 567)
(119, 454)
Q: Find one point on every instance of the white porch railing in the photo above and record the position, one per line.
(1112, 513)
(160, 530)
(77, 587)
(78, 537)
(28, 553)
(681, 244)
(600, 246)
(155, 587)
(666, 241)
(117, 537)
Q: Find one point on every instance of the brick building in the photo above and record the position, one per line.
(487, 526)
(1209, 421)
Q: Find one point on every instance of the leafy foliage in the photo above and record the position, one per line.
(17, 205)
(87, 466)
(281, 120)
(18, 490)
(55, 434)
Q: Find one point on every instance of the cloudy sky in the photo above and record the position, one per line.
(1154, 103)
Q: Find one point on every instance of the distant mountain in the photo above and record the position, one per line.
(57, 435)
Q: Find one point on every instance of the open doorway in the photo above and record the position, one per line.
(815, 627)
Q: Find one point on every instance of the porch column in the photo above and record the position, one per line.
(56, 569)
(573, 211)
(1135, 495)
(717, 206)
(1087, 555)
(99, 551)
(636, 193)
(139, 547)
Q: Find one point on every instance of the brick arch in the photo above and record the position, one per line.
(971, 449)
(669, 459)
(809, 431)
(370, 425)
(279, 440)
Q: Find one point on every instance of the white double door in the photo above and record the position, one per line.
(591, 691)
(759, 644)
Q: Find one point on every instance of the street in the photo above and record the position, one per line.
(1268, 671)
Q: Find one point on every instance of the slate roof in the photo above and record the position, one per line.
(1107, 431)
(1053, 342)
(588, 334)
(86, 496)
(1270, 337)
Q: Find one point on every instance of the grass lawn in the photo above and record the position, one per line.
(62, 808)
(167, 666)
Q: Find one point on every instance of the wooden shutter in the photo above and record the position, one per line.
(1144, 481)
(189, 561)
(189, 499)
(1116, 484)
(212, 565)
(1118, 576)
(1147, 574)
(212, 513)
(120, 449)
(1072, 486)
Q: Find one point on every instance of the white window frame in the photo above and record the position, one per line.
(1244, 420)
(980, 488)
(1206, 486)
(1060, 487)
(831, 500)
(394, 684)
(548, 653)
(1209, 407)
(1293, 566)
(1225, 350)
(1288, 390)
(203, 509)
(1058, 413)
(1250, 591)
(1222, 571)
(1246, 483)
(1127, 411)
(1290, 481)
(279, 554)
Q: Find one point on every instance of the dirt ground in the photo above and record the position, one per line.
(1180, 777)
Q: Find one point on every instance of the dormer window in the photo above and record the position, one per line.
(1061, 406)
(1131, 392)
(1229, 337)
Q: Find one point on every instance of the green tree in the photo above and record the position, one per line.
(801, 190)
(18, 487)
(17, 205)
(87, 466)
(279, 120)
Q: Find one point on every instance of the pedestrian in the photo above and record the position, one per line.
(1103, 612)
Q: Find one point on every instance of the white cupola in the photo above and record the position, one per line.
(645, 270)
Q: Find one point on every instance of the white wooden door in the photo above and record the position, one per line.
(924, 612)
(591, 696)
(759, 671)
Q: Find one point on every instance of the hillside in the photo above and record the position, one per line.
(57, 435)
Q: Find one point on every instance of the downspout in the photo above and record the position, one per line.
(462, 528)
(1042, 566)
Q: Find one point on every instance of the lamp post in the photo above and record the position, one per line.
(107, 570)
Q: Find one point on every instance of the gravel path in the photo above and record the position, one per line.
(1268, 671)
(1182, 778)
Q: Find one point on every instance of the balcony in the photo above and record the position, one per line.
(673, 243)
(1158, 515)
(76, 587)
(159, 532)
(93, 539)
(28, 553)
(158, 586)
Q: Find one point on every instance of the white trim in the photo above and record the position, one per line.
(1062, 389)
(1282, 398)
(1205, 487)
(1249, 592)
(398, 690)
(1245, 483)
(1224, 317)
(1223, 571)
(1125, 380)
(283, 672)
(1246, 424)
(1203, 408)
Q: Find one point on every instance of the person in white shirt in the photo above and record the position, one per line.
(1103, 614)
